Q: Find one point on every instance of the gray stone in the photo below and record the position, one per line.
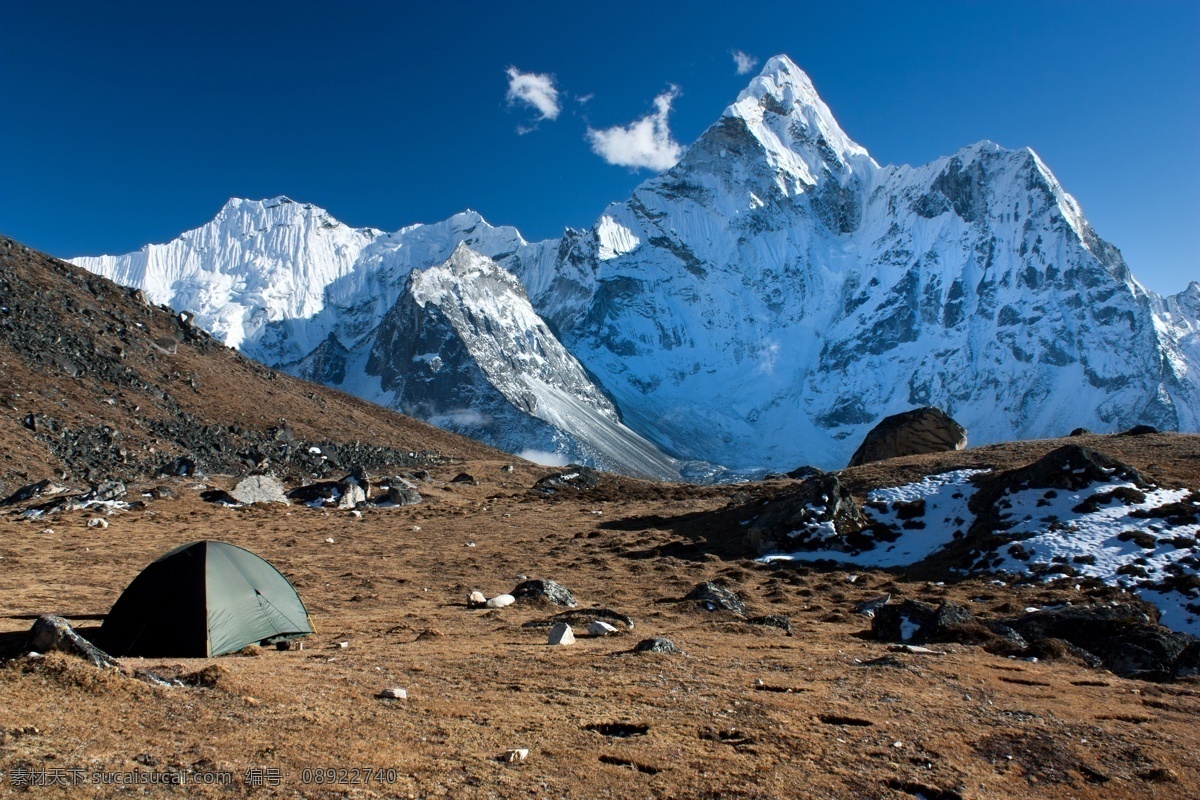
(601, 628)
(561, 633)
(657, 645)
(716, 598)
(53, 633)
(259, 489)
(501, 601)
(401, 496)
(548, 591)
(394, 693)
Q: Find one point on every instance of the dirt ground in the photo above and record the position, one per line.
(746, 712)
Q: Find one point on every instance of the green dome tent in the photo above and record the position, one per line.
(200, 600)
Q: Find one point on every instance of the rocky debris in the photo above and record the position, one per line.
(772, 621)
(97, 522)
(107, 491)
(476, 599)
(573, 476)
(1079, 432)
(50, 633)
(259, 489)
(1126, 637)
(658, 644)
(544, 591)
(514, 755)
(914, 649)
(464, 477)
(922, 430)
(28, 492)
(394, 693)
(819, 514)
(601, 628)
(162, 493)
(716, 598)
(561, 633)
(500, 601)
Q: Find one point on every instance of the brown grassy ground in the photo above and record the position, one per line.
(965, 724)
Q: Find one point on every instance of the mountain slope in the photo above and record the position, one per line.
(96, 384)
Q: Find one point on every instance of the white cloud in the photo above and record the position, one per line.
(744, 61)
(645, 143)
(536, 91)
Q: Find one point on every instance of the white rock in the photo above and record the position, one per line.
(477, 598)
(561, 633)
(328, 540)
(356, 514)
(343, 645)
(600, 628)
(501, 600)
(97, 522)
(259, 489)
(394, 693)
(516, 754)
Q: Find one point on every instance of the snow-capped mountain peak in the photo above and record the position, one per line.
(782, 110)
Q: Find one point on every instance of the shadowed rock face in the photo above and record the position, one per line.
(820, 514)
(922, 430)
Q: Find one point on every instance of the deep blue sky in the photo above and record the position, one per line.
(127, 123)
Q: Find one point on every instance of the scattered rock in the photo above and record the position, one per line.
(515, 755)
(561, 633)
(507, 468)
(868, 608)
(544, 590)
(922, 430)
(476, 600)
(573, 476)
(601, 628)
(220, 497)
(464, 477)
(657, 645)
(716, 598)
(259, 489)
(500, 601)
(184, 466)
(97, 522)
(32, 490)
(394, 693)
(773, 621)
(914, 622)
(107, 492)
(50, 633)
(582, 616)
(1079, 432)
(162, 493)
(403, 496)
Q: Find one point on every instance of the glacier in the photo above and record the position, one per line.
(759, 305)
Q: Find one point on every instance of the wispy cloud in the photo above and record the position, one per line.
(534, 90)
(645, 143)
(744, 62)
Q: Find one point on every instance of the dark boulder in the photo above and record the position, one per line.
(819, 514)
(464, 477)
(922, 430)
(1139, 430)
(716, 598)
(182, 466)
(914, 622)
(30, 491)
(657, 645)
(544, 591)
(1079, 432)
(1125, 637)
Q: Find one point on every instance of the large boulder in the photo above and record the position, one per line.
(50, 633)
(922, 430)
(259, 489)
(819, 514)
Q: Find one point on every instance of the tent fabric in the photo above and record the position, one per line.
(203, 599)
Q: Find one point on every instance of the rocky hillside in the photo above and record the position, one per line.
(96, 383)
